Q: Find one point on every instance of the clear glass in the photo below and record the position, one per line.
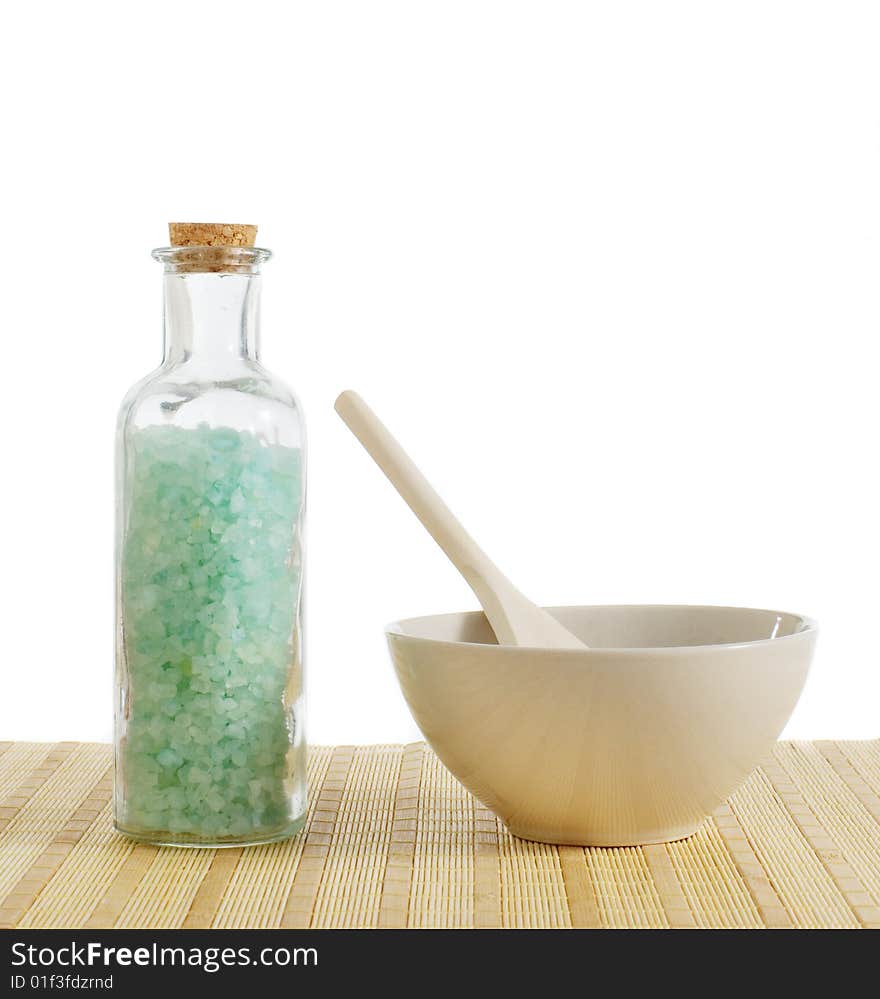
(210, 749)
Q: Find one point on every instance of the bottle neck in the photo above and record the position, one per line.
(211, 319)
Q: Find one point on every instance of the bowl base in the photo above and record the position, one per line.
(648, 838)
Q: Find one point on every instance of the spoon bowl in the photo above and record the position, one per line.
(634, 740)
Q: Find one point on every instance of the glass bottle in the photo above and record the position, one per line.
(210, 498)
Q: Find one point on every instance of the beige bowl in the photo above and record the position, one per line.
(632, 741)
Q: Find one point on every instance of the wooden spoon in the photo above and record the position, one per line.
(513, 617)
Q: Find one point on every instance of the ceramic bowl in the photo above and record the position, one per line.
(632, 741)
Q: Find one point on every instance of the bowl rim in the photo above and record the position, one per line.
(808, 626)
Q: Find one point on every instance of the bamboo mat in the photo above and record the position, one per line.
(393, 840)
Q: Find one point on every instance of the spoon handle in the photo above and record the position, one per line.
(491, 587)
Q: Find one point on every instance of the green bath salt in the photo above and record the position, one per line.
(209, 592)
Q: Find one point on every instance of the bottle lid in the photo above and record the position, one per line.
(211, 234)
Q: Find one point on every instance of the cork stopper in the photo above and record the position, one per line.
(211, 234)
(211, 248)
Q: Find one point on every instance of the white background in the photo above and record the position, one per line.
(609, 270)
